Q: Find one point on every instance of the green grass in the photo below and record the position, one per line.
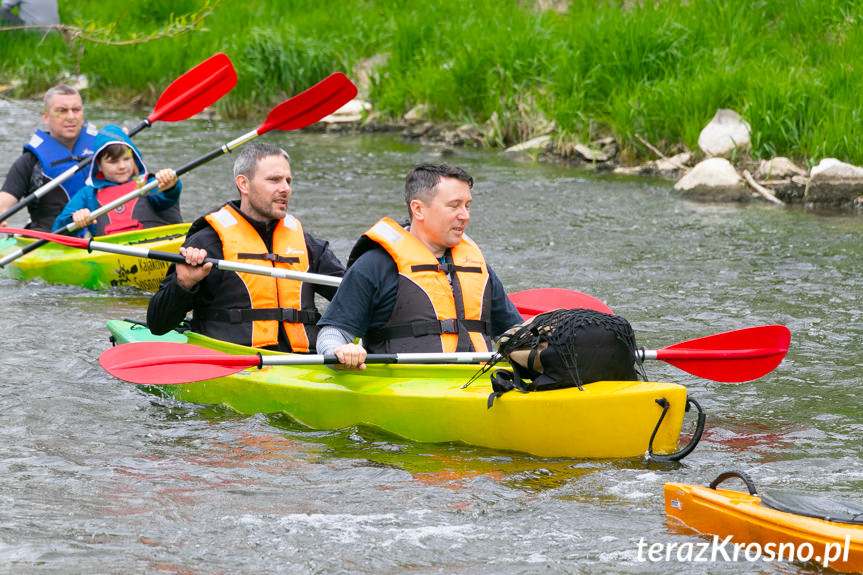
(659, 69)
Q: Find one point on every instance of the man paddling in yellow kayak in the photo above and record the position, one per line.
(423, 287)
(47, 155)
(249, 309)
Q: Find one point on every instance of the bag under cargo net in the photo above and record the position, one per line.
(564, 348)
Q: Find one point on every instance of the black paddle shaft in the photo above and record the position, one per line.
(25, 201)
(180, 171)
(83, 163)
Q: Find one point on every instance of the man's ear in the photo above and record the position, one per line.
(242, 183)
(417, 209)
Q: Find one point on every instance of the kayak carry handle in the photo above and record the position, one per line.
(750, 485)
(696, 436)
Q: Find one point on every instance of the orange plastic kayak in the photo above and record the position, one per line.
(774, 526)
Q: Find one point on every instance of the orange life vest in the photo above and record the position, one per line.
(428, 304)
(273, 300)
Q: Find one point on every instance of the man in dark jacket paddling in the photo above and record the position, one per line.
(424, 288)
(249, 309)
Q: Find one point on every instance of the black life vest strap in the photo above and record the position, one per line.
(464, 342)
(270, 258)
(430, 327)
(306, 317)
(72, 158)
(446, 268)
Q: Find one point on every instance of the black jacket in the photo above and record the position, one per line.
(224, 289)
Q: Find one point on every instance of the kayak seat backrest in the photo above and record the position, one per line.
(816, 506)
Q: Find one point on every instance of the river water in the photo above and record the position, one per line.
(98, 477)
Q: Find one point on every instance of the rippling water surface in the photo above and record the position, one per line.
(98, 477)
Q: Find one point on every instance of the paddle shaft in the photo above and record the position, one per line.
(311, 105)
(187, 95)
(48, 186)
(261, 360)
(143, 190)
(226, 265)
(523, 301)
(149, 187)
(168, 363)
(455, 357)
(575, 299)
(698, 354)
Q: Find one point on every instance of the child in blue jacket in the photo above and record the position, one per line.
(116, 170)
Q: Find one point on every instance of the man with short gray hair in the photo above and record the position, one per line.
(69, 139)
(249, 309)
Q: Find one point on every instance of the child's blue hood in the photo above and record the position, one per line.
(111, 134)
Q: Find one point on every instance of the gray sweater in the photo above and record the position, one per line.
(31, 12)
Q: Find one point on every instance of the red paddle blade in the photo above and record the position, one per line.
(733, 356)
(70, 241)
(532, 302)
(195, 90)
(308, 107)
(166, 363)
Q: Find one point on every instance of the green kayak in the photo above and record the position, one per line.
(426, 403)
(66, 265)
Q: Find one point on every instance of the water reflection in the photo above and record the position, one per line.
(94, 472)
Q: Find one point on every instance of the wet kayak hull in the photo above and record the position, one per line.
(58, 264)
(426, 403)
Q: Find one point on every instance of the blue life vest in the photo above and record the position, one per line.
(55, 158)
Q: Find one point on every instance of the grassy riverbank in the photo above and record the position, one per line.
(656, 69)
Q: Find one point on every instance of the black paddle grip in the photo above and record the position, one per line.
(202, 160)
(145, 123)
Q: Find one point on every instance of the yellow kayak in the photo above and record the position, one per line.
(428, 403)
(59, 264)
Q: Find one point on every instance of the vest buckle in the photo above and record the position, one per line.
(290, 315)
(449, 326)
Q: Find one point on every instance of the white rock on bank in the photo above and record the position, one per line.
(714, 179)
(832, 169)
(833, 182)
(666, 167)
(351, 112)
(541, 143)
(779, 168)
(590, 154)
(418, 113)
(726, 132)
(673, 164)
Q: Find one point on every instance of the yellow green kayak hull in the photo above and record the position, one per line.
(426, 403)
(58, 264)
